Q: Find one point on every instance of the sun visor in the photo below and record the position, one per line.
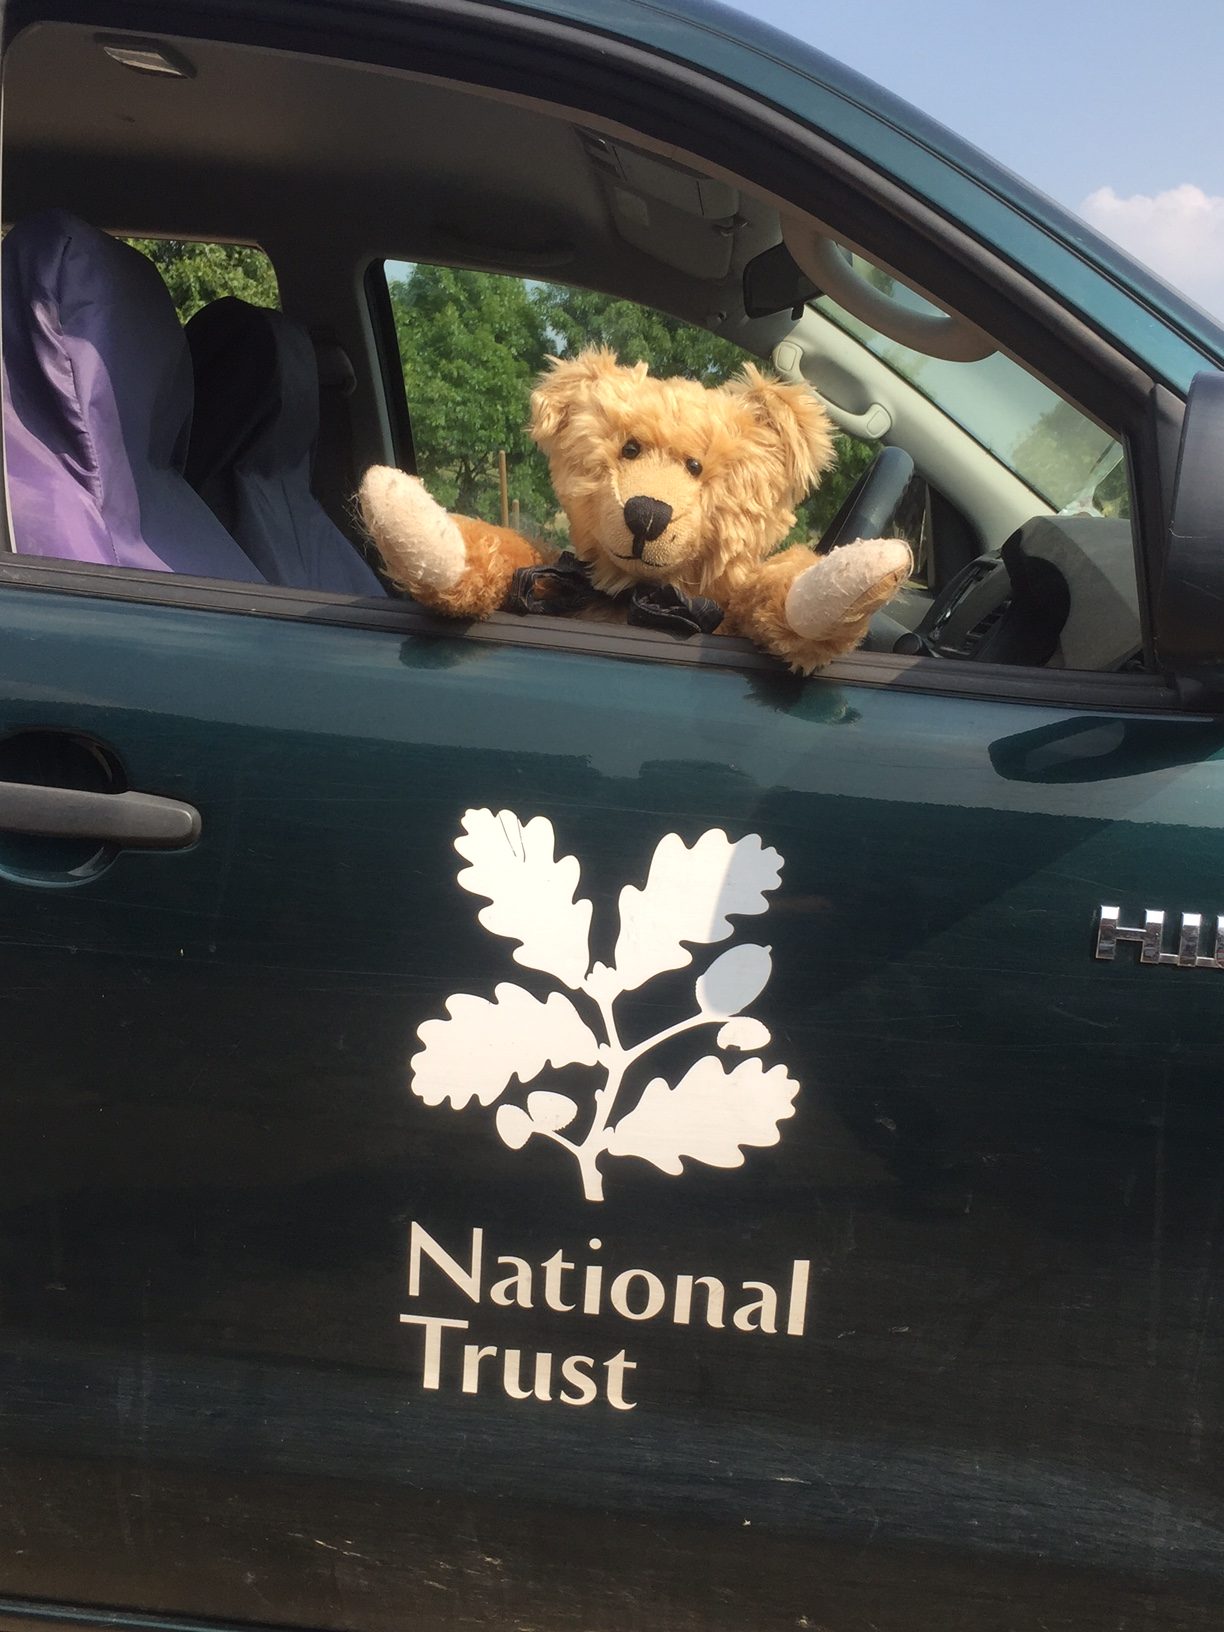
(672, 213)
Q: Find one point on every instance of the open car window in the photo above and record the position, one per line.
(472, 345)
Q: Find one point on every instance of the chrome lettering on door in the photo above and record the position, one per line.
(1150, 939)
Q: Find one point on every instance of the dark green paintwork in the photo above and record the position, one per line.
(1005, 1165)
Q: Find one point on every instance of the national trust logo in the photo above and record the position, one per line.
(486, 1049)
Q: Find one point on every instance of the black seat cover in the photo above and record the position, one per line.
(252, 441)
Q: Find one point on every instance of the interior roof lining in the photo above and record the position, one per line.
(248, 173)
(964, 274)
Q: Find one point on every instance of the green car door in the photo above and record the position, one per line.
(679, 1135)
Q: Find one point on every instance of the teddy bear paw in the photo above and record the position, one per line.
(841, 590)
(421, 546)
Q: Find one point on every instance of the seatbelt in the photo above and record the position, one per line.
(334, 475)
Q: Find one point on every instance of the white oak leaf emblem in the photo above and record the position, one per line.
(690, 895)
(530, 892)
(733, 981)
(689, 898)
(710, 1115)
(743, 1033)
(475, 1053)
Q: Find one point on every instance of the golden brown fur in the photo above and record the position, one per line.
(719, 472)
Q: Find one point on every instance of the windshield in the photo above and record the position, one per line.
(1065, 457)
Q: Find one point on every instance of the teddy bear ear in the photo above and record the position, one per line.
(566, 384)
(793, 414)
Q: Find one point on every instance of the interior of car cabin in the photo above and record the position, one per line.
(230, 447)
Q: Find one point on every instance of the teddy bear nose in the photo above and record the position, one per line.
(646, 519)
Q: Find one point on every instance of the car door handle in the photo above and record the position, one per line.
(131, 821)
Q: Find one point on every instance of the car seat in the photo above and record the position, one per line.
(97, 408)
(252, 442)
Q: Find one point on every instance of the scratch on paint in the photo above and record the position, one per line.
(345, 1552)
(1083, 1019)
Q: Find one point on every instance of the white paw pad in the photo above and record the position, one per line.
(419, 542)
(820, 597)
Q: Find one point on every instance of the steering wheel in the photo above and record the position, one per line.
(868, 509)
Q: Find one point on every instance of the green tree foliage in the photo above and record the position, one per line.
(579, 317)
(198, 273)
(819, 508)
(471, 345)
(1059, 455)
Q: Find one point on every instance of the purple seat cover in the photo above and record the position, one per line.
(97, 408)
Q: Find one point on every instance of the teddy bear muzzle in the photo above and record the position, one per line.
(646, 519)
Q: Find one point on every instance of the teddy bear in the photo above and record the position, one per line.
(671, 489)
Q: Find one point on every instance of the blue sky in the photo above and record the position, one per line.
(1113, 107)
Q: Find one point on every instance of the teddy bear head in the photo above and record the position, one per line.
(669, 480)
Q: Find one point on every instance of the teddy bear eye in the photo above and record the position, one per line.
(693, 466)
(631, 449)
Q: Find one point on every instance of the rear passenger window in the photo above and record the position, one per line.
(199, 273)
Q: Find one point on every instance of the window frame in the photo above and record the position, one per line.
(594, 77)
(1054, 688)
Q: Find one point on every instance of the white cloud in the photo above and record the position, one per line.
(1179, 234)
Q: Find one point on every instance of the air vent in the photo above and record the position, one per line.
(973, 603)
(975, 638)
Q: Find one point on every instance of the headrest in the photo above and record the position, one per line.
(75, 298)
(257, 391)
(256, 422)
